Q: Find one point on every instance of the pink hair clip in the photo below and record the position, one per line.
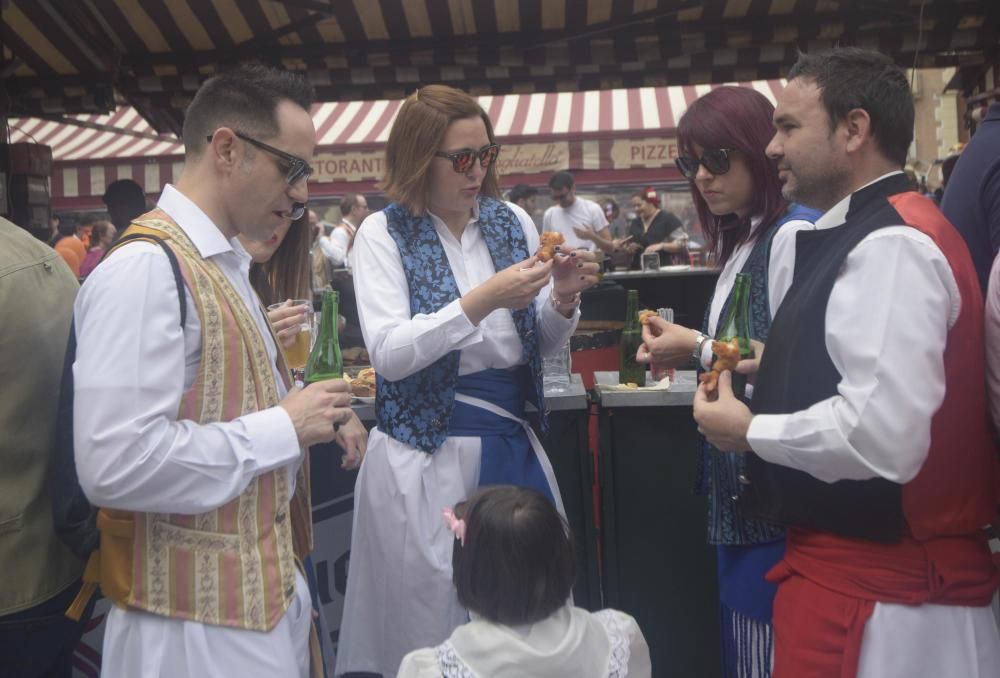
(456, 525)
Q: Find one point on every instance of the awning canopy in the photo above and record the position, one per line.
(542, 133)
(67, 57)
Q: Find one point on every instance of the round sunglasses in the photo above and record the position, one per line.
(462, 160)
(715, 161)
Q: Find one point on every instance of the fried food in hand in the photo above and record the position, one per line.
(727, 355)
(363, 385)
(645, 315)
(549, 241)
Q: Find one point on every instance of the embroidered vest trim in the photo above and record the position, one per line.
(416, 410)
(234, 566)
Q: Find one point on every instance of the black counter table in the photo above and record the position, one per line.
(686, 289)
(657, 566)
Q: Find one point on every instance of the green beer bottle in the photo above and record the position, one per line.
(325, 361)
(736, 325)
(630, 371)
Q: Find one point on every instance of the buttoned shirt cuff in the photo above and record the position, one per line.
(764, 436)
(459, 330)
(706, 354)
(272, 435)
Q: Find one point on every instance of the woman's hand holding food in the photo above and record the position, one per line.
(666, 344)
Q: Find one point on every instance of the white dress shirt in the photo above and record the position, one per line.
(133, 365)
(400, 345)
(887, 322)
(337, 245)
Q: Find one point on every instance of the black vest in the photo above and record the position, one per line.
(796, 372)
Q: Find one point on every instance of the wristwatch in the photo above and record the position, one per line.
(698, 343)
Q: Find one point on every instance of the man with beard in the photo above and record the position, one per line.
(867, 433)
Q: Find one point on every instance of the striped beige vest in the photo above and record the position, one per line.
(234, 566)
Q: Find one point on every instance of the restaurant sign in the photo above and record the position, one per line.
(533, 158)
(370, 165)
(649, 153)
(351, 166)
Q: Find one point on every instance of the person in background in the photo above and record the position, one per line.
(190, 435)
(750, 226)
(69, 246)
(524, 196)
(513, 569)
(972, 193)
(280, 274)
(457, 312)
(581, 222)
(337, 247)
(41, 576)
(884, 487)
(656, 230)
(125, 201)
(320, 266)
(102, 234)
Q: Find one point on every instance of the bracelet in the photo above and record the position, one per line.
(698, 343)
(560, 305)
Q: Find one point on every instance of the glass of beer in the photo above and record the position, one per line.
(297, 354)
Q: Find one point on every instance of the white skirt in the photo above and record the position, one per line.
(400, 595)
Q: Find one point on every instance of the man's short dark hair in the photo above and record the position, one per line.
(522, 192)
(561, 180)
(348, 203)
(849, 78)
(125, 192)
(243, 99)
(517, 564)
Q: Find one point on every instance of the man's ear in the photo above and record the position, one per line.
(858, 125)
(224, 150)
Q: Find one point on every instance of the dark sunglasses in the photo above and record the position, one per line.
(298, 169)
(716, 161)
(461, 161)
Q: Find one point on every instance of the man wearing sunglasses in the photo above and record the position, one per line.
(582, 222)
(188, 433)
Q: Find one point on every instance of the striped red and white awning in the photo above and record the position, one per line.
(90, 151)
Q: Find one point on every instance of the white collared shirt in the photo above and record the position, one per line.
(887, 322)
(133, 365)
(400, 345)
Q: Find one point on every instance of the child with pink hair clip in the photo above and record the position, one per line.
(513, 569)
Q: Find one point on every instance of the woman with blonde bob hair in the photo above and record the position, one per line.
(456, 311)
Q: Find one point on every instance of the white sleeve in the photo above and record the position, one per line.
(887, 322)
(131, 451)
(420, 664)
(546, 220)
(556, 328)
(781, 267)
(639, 663)
(340, 240)
(599, 221)
(400, 345)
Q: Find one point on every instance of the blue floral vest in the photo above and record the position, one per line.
(718, 472)
(416, 410)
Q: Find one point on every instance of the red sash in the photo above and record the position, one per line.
(828, 587)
